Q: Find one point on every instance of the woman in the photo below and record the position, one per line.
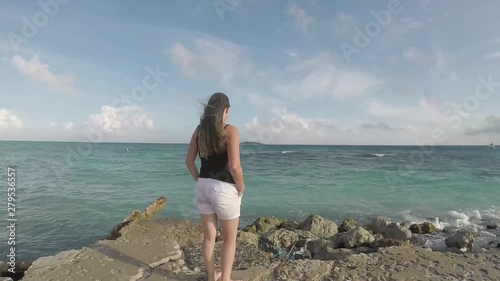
(219, 184)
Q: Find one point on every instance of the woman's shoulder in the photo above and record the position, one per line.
(231, 128)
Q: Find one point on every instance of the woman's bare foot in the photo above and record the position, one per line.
(217, 275)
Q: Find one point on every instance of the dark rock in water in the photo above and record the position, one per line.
(21, 267)
(377, 225)
(289, 225)
(347, 225)
(461, 239)
(319, 226)
(491, 243)
(498, 245)
(263, 225)
(494, 226)
(418, 240)
(395, 231)
(425, 227)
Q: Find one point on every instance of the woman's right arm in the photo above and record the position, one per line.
(233, 151)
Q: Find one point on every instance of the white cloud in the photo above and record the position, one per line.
(322, 76)
(292, 53)
(441, 67)
(68, 125)
(121, 120)
(38, 71)
(425, 112)
(211, 58)
(411, 23)
(52, 124)
(343, 26)
(495, 55)
(303, 21)
(414, 55)
(8, 120)
(491, 126)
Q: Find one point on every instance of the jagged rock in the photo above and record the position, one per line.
(248, 237)
(280, 238)
(395, 231)
(461, 239)
(303, 234)
(347, 225)
(338, 240)
(385, 242)
(289, 225)
(377, 225)
(320, 226)
(136, 216)
(356, 237)
(377, 237)
(491, 226)
(263, 225)
(425, 227)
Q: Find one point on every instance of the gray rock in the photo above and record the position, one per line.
(281, 238)
(385, 242)
(461, 239)
(357, 237)
(422, 228)
(395, 231)
(347, 225)
(491, 226)
(263, 225)
(248, 237)
(289, 225)
(319, 226)
(377, 225)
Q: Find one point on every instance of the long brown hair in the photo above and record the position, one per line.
(211, 134)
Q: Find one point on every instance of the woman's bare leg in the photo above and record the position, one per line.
(229, 230)
(209, 223)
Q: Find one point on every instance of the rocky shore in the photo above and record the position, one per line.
(143, 248)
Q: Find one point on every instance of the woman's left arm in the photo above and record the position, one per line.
(191, 156)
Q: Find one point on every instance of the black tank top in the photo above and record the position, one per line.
(216, 167)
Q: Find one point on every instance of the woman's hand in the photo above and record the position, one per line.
(240, 191)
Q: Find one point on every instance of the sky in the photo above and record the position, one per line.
(389, 72)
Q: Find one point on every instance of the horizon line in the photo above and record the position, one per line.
(258, 143)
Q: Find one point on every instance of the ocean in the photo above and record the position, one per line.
(68, 195)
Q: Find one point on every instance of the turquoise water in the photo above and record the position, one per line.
(69, 194)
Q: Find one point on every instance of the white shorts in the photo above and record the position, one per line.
(217, 197)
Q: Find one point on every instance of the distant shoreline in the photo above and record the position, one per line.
(246, 143)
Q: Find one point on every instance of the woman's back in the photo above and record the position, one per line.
(216, 167)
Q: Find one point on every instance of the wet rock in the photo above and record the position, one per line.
(347, 225)
(395, 231)
(377, 225)
(492, 226)
(319, 226)
(498, 245)
(280, 238)
(248, 237)
(357, 237)
(461, 239)
(263, 225)
(418, 240)
(422, 228)
(386, 242)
